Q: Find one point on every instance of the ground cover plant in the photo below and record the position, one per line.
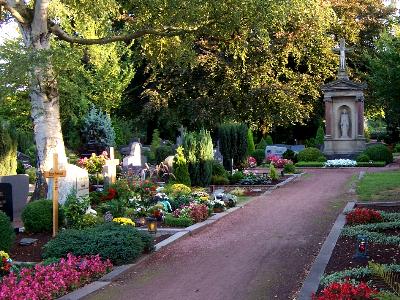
(383, 186)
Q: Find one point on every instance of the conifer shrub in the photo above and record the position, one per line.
(262, 144)
(37, 216)
(363, 158)
(250, 142)
(218, 169)
(180, 166)
(155, 143)
(219, 180)
(268, 140)
(233, 142)
(259, 155)
(310, 154)
(7, 234)
(319, 138)
(379, 153)
(273, 173)
(8, 151)
(97, 127)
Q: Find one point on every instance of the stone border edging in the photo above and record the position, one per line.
(310, 285)
(195, 228)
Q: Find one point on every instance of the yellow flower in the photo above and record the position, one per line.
(124, 221)
(4, 254)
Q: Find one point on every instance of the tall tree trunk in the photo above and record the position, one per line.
(45, 110)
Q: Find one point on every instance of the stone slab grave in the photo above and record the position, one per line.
(19, 194)
(275, 150)
(82, 186)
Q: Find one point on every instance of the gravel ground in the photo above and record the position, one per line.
(262, 251)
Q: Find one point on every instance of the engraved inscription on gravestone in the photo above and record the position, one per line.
(6, 199)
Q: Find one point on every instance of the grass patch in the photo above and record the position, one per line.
(243, 199)
(384, 186)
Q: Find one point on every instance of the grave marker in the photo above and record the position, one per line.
(19, 192)
(110, 168)
(55, 173)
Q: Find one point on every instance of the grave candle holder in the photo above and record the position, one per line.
(361, 247)
(151, 225)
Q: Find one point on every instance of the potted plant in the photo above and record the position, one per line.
(218, 206)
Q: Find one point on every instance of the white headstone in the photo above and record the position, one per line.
(77, 178)
(134, 159)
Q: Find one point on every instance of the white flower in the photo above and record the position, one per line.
(340, 163)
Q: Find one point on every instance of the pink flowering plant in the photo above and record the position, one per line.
(252, 162)
(196, 211)
(277, 161)
(94, 164)
(53, 281)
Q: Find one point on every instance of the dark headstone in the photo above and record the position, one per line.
(27, 241)
(6, 204)
(20, 190)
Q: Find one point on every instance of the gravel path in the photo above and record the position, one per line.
(261, 251)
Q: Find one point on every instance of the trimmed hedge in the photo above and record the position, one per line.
(311, 164)
(7, 234)
(310, 154)
(37, 216)
(177, 222)
(121, 244)
(379, 153)
(371, 164)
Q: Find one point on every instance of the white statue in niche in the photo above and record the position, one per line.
(344, 124)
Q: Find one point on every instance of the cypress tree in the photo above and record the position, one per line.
(8, 151)
(250, 142)
(181, 170)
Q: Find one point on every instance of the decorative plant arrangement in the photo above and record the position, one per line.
(335, 163)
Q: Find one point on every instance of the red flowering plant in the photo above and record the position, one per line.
(347, 291)
(277, 161)
(252, 162)
(146, 189)
(5, 263)
(197, 212)
(363, 216)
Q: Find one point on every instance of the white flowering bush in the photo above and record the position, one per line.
(340, 163)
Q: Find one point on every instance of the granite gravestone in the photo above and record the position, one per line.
(19, 192)
(6, 200)
(275, 150)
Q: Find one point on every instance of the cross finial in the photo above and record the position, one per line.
(342, 61)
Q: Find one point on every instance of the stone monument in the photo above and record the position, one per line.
(134, 159)
(344, 113)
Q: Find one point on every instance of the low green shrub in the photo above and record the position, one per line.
(219, 180)
(321, 159)
(379, 153)
(178, 201)
(290, 154)
(163, 152)
(273, 173)
(74, 210)
(259, 155)
(177, 222)
(37, 216)
(371, 164)
(363, 158)
(31, 172)
(236, 177)
(218, 169)
(7, 234)
(121, 244)
(397, 148)
(289, 168)
(310, 164)
(310, 154)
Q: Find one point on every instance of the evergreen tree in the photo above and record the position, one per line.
(181, 170)
(250, 142)
(233, 142)
(319, 138)
(97, 127)
(268, 140)
(8, 151)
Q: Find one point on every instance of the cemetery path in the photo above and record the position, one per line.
(262, 251)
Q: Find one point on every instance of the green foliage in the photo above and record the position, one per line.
(20, 168)
(198, 150)
(31, 172)
(262, 144)
(97, 127)
(219, 180)
(75, 209)
(124, 131)
(363, 157)
(7, 234)
(121, 244)
(8, 151)
(250, 142)
(179, 200)
(309, 154)
(180, 168)
(177, 222)
(371, 164)
(290, 154)
(163, 152)
(289, 168)
(37, 216)
(236, 177)
(379, 186)
(155, 143)
(319, 138)
(218, 169)
(379, 153)
(310, 164)
(89, 220)
(273, 173)
(386, 275)
(396, 148)
(259, 155)
(268, 140)
(233, 142)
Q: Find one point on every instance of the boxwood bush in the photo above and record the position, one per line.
(121, 244)
(177, 222)
(310, 154)
(37, 216)
(371, 164)
(379, 153)
(363, 158)
(7, 234)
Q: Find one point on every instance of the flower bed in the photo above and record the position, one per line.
(54, 280)
(381, 226)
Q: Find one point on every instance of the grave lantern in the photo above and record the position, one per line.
(142, 221)
(361, 247)
(151, 225)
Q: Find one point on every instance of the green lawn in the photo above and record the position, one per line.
(383, 186)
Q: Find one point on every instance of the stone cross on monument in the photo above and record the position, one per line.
(55, 173)
(342, 62)
(110, 168)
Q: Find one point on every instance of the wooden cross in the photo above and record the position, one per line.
(55, 173)
(110, 168)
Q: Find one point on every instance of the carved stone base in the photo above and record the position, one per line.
(343, 146)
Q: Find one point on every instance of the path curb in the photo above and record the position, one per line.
(311, 283)
(117, 271)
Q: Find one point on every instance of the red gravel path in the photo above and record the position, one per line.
(261, 251)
